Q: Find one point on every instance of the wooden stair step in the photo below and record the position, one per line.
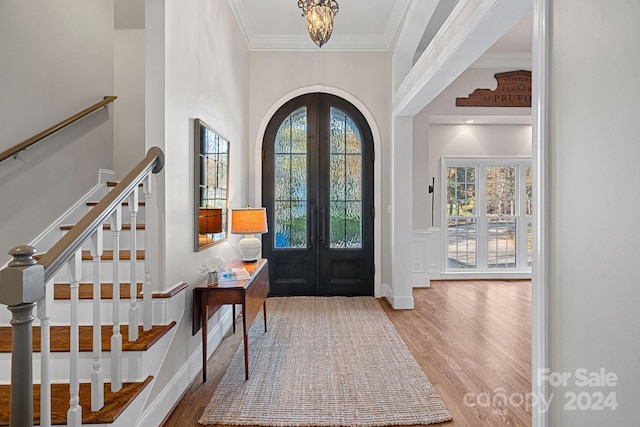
(60, 336)
(114, 403)
(114, 183)
(68, 227)
(107, 255)
(62, 291)
(123, 203)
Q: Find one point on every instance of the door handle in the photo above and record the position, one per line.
(323, 226)
(312, 236)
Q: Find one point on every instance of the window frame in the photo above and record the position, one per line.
(480, 216)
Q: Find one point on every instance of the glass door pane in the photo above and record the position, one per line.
(290, 186)
(345, 182)
(501, 216)
(462, 226)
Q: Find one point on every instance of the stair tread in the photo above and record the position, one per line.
(114, 403)
(60, 336)
(67, 227)
(114, 183)
(93, 203)
(107, 255)
(62, 291)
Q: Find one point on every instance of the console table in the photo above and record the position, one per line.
(250, 293)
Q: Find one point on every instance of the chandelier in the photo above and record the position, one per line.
(319, 14)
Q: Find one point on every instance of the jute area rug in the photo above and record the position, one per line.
(325, 361)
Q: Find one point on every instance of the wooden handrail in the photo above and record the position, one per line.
(53, 129)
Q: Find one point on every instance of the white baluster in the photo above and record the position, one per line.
(133, 308)
(146, 288)
(45, 305)
(97, 376)
(74, 414)
(116, 337)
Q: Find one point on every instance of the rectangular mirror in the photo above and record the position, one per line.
(211, 182)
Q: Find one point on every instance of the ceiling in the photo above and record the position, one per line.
(279, 25)
(359, 25)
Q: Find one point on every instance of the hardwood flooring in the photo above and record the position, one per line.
(473, 341)
(471, 338)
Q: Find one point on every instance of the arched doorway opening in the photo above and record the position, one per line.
(318, 188)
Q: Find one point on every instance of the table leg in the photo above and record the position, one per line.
(246, 343)
(233, 319)
(205, 316)
(264, 310)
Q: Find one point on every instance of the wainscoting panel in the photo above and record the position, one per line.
(426, 264)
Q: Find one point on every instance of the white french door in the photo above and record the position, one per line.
(487, 207)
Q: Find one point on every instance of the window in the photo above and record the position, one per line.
(488, 212)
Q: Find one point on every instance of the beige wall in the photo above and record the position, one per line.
(207, 77)
(128, 118)
(364, 77)
(57, 59)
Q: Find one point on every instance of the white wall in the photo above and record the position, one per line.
(432, 141)
(129, 84)
(198, 49)
(207, 77)
(57, 59)
(366, 76)
(128, 118)
(594, 149)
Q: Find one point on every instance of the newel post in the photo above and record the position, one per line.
(21, 286)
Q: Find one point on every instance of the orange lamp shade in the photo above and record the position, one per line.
(249, 221)
(210, 220)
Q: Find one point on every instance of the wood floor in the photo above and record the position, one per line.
(471, 338)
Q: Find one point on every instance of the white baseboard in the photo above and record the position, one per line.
(105, 175)
(403, 303)
(420, 281)
(398, 303)
(498, 275)
(387, 293)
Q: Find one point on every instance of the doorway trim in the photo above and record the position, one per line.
(377, 168)
(540, 67)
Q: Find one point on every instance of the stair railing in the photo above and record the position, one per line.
(26, 282)
(16, 149)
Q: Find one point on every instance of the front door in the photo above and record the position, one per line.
(317, 186)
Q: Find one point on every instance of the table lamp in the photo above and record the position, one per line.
(249, 221)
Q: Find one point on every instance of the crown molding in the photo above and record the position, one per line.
(395, 21)
(237, 6)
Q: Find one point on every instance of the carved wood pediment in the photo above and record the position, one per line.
(514, 90)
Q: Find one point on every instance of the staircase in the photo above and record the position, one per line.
(94, 356)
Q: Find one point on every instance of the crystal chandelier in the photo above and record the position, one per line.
(319, 14)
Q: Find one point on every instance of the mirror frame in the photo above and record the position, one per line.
(203, 180)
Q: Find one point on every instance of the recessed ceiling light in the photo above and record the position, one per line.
(469, 121)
